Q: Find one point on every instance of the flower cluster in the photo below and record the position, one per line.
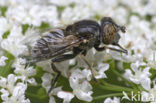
(21, 24)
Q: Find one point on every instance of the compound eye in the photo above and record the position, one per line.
(109, 33)
(109, 29)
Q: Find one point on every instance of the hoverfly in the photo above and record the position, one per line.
(78, 38)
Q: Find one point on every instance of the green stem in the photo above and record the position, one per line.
(129, 82)
(119, 75)
(108, 95)
(116, 88)
(141, 88)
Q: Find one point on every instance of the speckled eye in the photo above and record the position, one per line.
(109, 33)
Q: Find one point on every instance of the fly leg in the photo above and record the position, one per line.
(121, 48)
(56, 78)
(59, 59)
(118, 50)
(90, 67)
(114, 49)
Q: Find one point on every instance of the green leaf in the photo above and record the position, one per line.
(6, 34)
(1, 98)
(44, 25)
(60, 9)
(72, 5)
(153, 72)
(41, 92)
(39, 74)
(36, 94)
(148, 17)
(39, 71)
(132, 52)
(126, 65)
(64, 82)
(97, 17)
(3, 9)
(25, 28)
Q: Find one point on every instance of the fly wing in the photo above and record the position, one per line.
(53, 44)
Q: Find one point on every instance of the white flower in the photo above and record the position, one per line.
(152, 61)
(81, 87)
(139, 75)
(150, 7)
(87, 74)
(18, 94)
(114, 100)
(30, 37)
(3, 2)
(5, 25)
(28, 71)
(13, 46)
(149, 95)
(137, 64)
(61, 2)
(24, 73)
(3, 82)
(5, 94)
(53, 92)
(152, 64)
(72, 61)
(65, 95)
(121, 19)
(139, 41)
(83, 91)
(61, 66)
(52, 17)
(2, 60)
(14, 92)
(33, 14)
(8, 82)
(136, 6)
(102, 67)
(93, 57)
(52, 100)
(74, 14)
(46, 81)
(13, 43)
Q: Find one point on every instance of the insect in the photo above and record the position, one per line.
(78, 38)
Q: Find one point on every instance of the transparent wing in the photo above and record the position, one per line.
(52, 44)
